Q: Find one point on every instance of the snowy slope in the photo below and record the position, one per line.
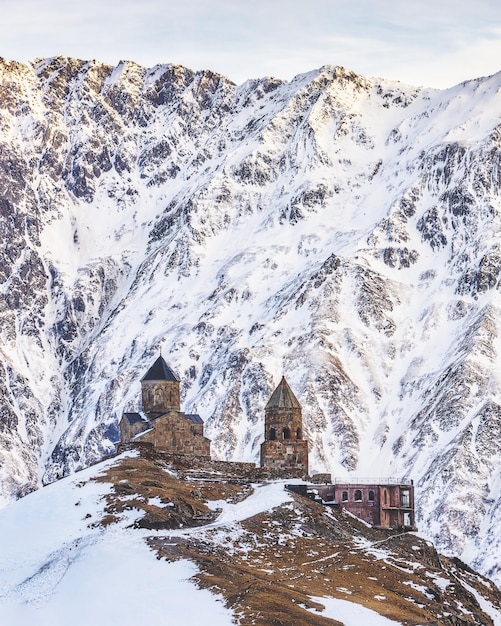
(341, 230)
(55, 568)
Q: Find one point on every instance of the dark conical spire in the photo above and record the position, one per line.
(160, 371)
(282, 397)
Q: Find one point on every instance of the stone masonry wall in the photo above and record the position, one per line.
(290, 456)
(174, 432)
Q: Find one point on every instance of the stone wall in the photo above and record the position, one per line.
(128, 430)
(175, 433)
(283, 423)
(203, 467)
(287, 456)
(160, 396)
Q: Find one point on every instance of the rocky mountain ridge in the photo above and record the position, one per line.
(340, 229)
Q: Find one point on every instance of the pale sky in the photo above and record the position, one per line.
(435, 43)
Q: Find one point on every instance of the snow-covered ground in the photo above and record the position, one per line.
(351, 614)
(113, 579)
(56, 568)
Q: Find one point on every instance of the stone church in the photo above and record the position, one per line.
(162, 424)
(284, 448)
(161, 421)
(284, 452)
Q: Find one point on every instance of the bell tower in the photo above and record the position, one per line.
(284, 448)
(160, 390)
(282, 415)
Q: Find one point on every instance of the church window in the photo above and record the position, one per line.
(344, 496)
(273, 434)
(371, 496)
(298, 433)
(358, 495)
(286, 433)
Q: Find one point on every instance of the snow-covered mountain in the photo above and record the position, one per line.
(341, 230)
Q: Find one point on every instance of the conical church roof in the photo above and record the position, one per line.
(160, 371)
(282, 397)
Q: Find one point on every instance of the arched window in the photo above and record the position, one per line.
(298, 433)
(385, 497)
(371, 496)
(344, 496)
(358, 495)
(286, 433)
(273, 434)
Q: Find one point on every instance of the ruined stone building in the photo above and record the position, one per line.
(385, 503)
(382, 503)
(284, 448)
(161, 421)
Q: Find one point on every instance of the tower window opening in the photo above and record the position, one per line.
(273, 434)
(358, 495)
(286, 433)
(298, 433)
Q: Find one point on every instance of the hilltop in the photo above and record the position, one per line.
(137, 538)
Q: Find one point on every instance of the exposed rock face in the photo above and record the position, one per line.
(338, 229)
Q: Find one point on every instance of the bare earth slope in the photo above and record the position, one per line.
(341, 229)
